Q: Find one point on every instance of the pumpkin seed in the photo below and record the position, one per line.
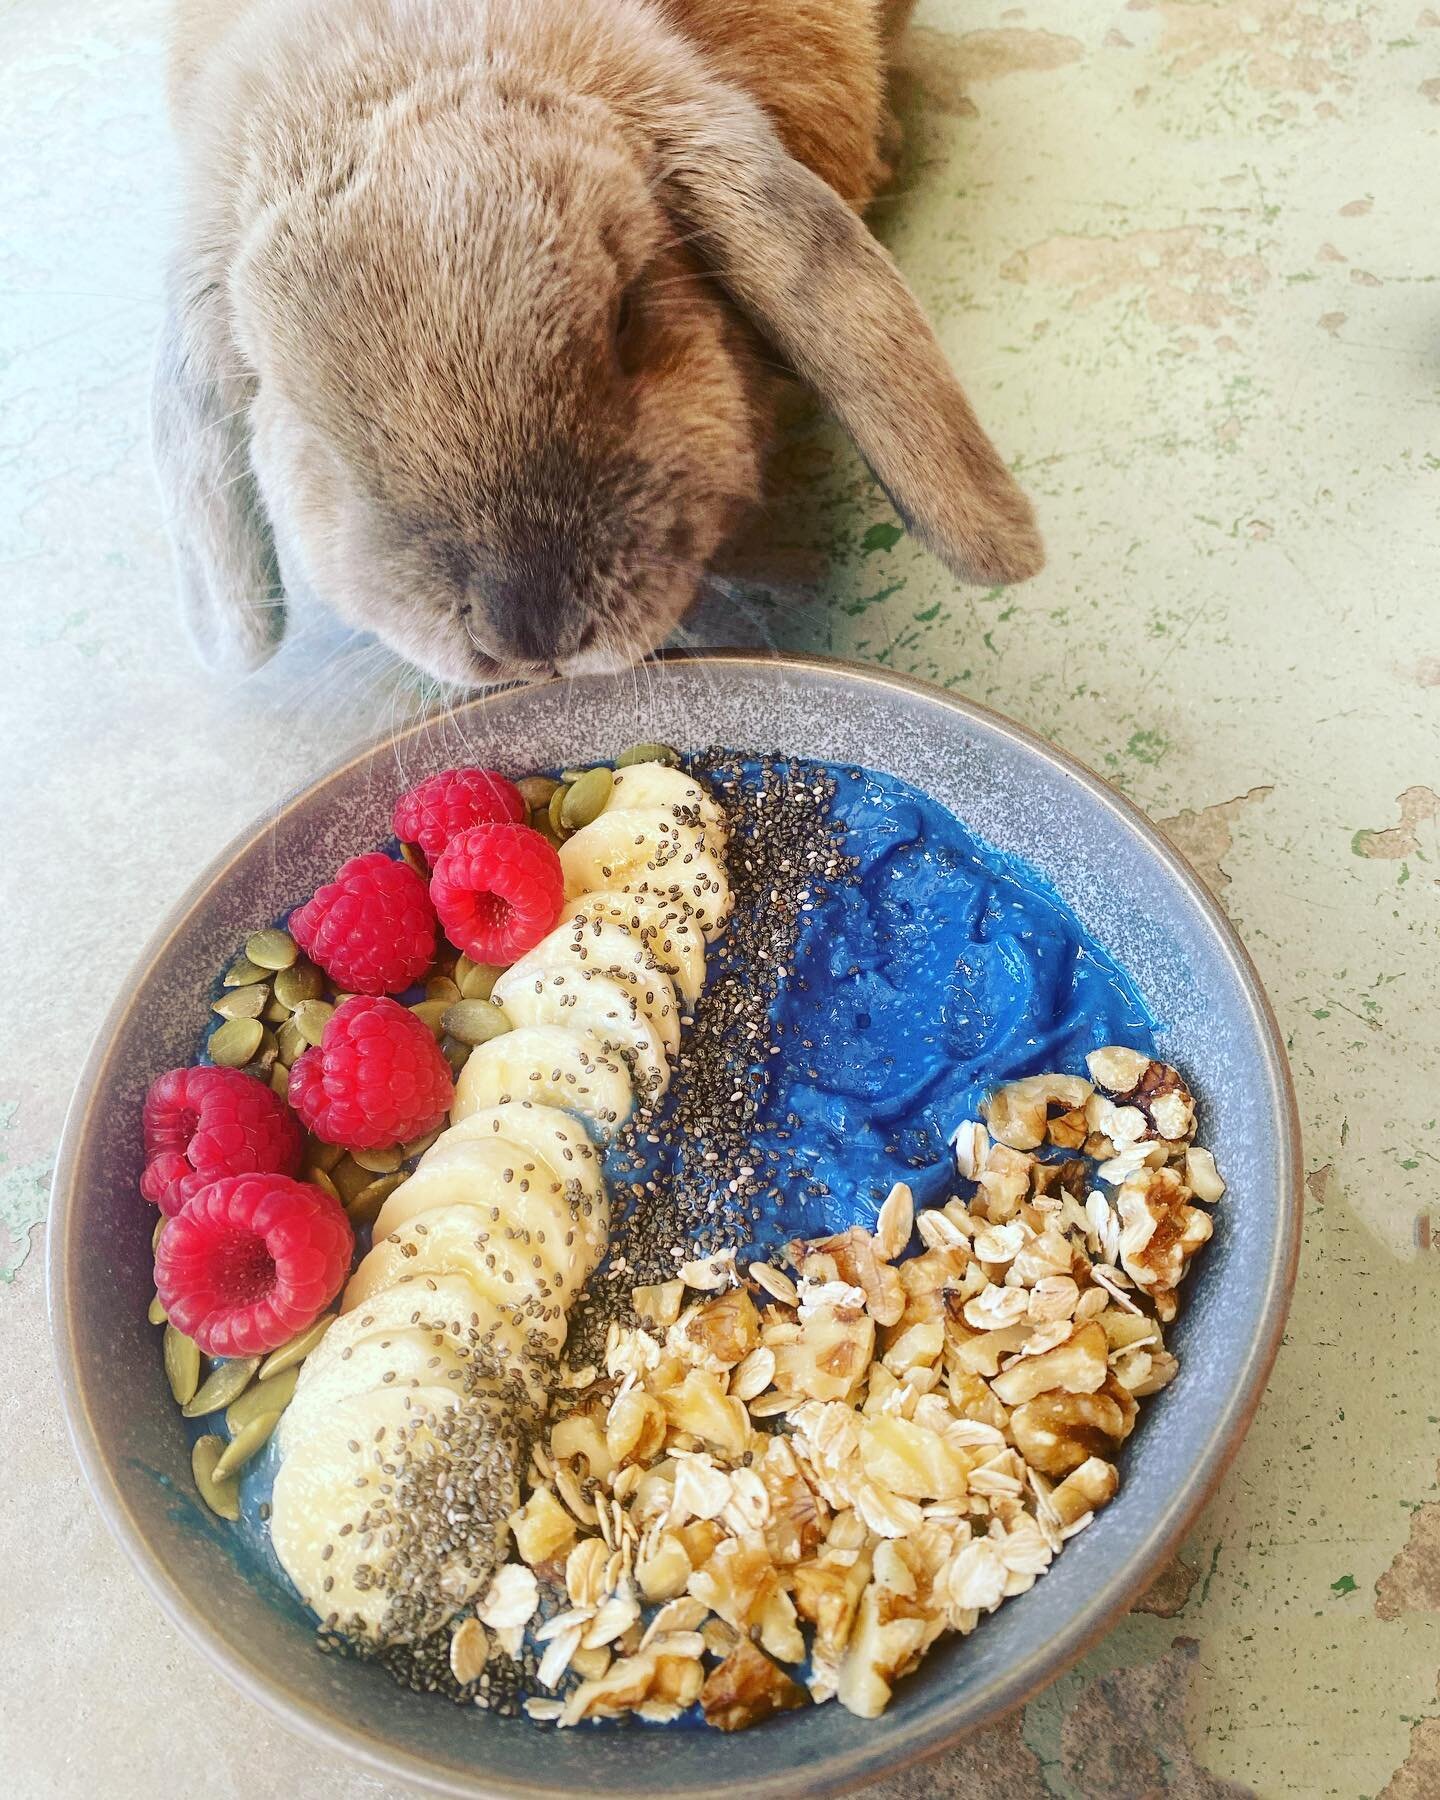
(455, 1053)
(418, 1146)
(311, 1018)
(320, 1178)
(430, 1013)
(264, 1058)
(587, 799)
(274, 1013)
(272, 949)
(157, 1314)
(265, 1397)
(555, 811)
(245, 1445)
(339, 997)
(158, 1232)
(365, 1207)
(182, 1365)
(302, 981)
(349, 1178)
(441, 987)
(540, 821)
(570, 775)
(475, 1021)
(536, 790)
(289, 1041)
(298, 1348)
(647, 753)
(242, 972)
(242, 1003)
(378, 1162)
(222, 1497)
(412, 854)
(320, 1155)
(477, 981)
(227, 1381)
(234, 1043)
(280, 1080)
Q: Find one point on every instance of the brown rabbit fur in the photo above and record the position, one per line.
(475, 322)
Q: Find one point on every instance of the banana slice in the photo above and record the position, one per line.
(596, 944)
(647, 851)
(552, 1065)
(407, 1358)
(560, 1143)
(486, 1178)
(667, 931)
(565, 1221)
(598, 1004)
(330, 1496)
(476, 1327)
(453, 1240)
(655, 787)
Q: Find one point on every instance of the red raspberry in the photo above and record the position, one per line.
(376, 1078)
(202, 1122)
(250, 1260)
(431, 814)
(371, 929)
(498, 890)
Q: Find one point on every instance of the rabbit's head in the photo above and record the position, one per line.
(492, 381)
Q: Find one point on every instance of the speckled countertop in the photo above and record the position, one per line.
(1178, 249)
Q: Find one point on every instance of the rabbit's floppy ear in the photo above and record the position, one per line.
(227, 574)
(824, 292)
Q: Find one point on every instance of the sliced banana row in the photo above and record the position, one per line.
(452, 1320)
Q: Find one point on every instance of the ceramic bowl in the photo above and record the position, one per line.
(1132, 891)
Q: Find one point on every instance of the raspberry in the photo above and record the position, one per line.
(250, 1260)
(376, 1078)
(498, 890)
(431, 814)
(371, 929)
(202, 1122)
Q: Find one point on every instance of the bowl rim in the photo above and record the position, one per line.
(1008, 1689)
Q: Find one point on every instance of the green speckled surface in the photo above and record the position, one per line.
(1178, 250)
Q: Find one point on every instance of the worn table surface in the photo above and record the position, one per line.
(1177, 247)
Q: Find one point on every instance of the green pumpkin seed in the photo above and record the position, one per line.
(477, 982)
(289, 1041)
(430, 1012)
(418, 1146)
(157, 1314)
(365, 1207)
(280, 1080)
(587, 799)
(265, 1397)
(412, 854)
(338, 997)
(242, 1003)
(536, 790)
(245, 1445)
(158, 1232)
(441, 987)
(379, 1162)
(319, 1178)
(571, 775)
(242, 972)
(647, 753)
(235, 1042)
(264, 1058)
(311, 1018)
(540, 821)
(302, 981)
(455, 1053)
(182, 1365)
(274, 1013)
(299, 1347)
(349, 1178)
(555, 812)
(475, 1021)
(227, 1381)
(222, 1497)
(320, 1155)
(273, 949)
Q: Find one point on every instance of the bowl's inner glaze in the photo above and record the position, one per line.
(1127, 892)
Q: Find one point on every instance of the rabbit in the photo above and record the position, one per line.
(482, 309)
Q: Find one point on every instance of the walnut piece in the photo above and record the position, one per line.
(746, 1688)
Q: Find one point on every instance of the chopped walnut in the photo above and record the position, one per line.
(1159, 1230)
(716, 1334)
(1090, 1487)
(1057, 1432)
(746, 1688)
(1018, 1113)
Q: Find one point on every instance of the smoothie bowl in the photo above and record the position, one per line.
(674, 1262)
